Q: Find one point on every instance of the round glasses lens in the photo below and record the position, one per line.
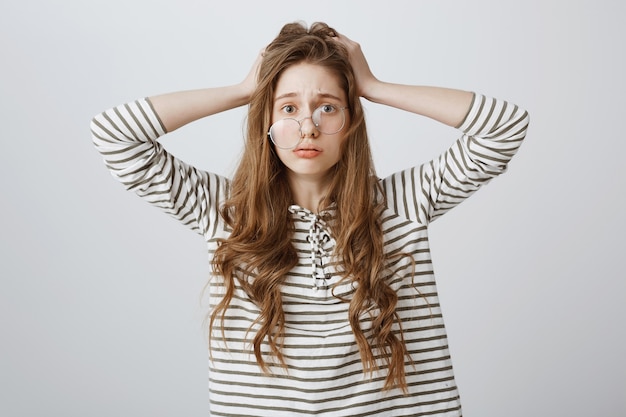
(285, 133)
(328, 119)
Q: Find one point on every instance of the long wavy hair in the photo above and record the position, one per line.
(257, 212)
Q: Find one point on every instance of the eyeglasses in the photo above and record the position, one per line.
(287, 133)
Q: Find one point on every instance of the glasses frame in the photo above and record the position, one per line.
(343, 124)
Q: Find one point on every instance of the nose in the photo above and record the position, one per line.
(308, 128)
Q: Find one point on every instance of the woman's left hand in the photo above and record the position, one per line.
(365, 79)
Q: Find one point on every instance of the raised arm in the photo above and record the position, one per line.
(183, 107)
(127, 138)
(492, 132)
(445, 105)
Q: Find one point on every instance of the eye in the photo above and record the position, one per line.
(327, 108)
(289, 109)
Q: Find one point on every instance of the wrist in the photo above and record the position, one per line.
(242, 93)
(372, 90)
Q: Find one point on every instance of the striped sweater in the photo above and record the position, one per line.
(324, 375)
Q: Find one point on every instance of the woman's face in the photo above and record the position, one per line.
(301, 89)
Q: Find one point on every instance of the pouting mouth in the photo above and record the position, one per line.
(307, 147)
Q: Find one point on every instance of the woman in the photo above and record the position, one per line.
(323, 298)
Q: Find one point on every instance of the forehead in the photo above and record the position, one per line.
(306, 80)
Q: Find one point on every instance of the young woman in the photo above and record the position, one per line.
(323, 299)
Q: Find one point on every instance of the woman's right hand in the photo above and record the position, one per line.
(182, 107)
(250, 82)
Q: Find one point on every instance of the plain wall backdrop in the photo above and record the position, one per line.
(100, 294)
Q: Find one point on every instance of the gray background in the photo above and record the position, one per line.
(100, 295)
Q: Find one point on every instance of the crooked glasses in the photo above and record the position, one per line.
(287, 133)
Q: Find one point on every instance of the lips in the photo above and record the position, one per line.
(307, 151)
(307, 147)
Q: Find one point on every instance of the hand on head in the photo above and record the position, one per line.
(250, 82)
(365, 79)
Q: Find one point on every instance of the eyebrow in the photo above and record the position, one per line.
(322, 95)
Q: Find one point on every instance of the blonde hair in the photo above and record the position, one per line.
(257, 212)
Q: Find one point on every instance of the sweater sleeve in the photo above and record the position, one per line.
(492, 132)
(126, 137)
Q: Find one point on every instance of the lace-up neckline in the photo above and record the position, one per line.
(318, 238)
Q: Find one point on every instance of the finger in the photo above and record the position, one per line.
(345, 41)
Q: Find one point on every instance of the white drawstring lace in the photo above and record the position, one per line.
(318, 238)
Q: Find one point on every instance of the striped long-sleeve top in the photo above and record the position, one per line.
(324, 374)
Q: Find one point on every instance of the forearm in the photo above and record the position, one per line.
(183, 107)
(445, 105)
(448, 106)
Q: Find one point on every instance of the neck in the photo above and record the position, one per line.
(308, 192)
